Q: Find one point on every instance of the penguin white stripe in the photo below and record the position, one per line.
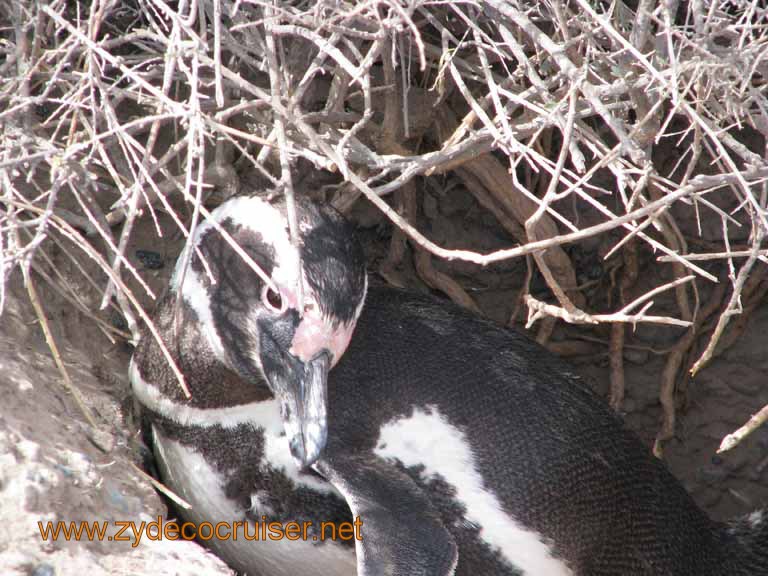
(256, 214)
(359, 308)
(253, 214)
(195, 295)
(428, 439)
(265, 414)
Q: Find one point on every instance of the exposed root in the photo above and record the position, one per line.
(672, 368)
(616, 347)
(433, 277)
(560, 148)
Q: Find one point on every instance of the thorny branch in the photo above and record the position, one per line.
(566, 120)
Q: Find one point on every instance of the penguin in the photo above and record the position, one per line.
(462, 447)
(226, 449)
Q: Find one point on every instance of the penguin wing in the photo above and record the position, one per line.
(401, 534)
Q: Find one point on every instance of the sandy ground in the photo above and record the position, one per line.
(50, 467)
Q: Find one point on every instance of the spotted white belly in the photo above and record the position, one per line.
(189, 475)
(428, 439)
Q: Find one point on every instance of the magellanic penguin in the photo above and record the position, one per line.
(463, 447)
(255, 363)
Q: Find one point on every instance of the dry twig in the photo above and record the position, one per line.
(554, 115)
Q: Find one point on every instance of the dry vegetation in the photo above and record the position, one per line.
(631, 113)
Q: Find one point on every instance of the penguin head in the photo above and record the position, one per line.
(278, 333)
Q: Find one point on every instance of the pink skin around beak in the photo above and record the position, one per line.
(316, 333)
(316, 347)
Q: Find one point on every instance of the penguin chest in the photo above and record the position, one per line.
(239, 475)
(440, 457)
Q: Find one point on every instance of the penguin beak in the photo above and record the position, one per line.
(301, 387)
(296, 354)
(309, 395)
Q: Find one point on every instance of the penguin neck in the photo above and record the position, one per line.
(213, 385)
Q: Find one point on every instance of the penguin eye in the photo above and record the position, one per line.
(272, 299)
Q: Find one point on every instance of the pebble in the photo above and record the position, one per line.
(43, 569)
(150, 259)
